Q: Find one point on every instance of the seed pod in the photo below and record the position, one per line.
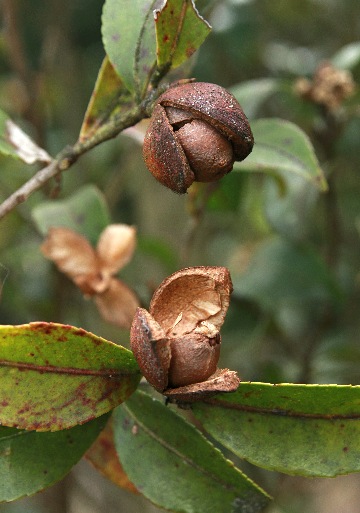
(177, 344)
(196, 132)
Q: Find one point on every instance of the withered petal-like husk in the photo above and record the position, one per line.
(151, 349)
(164, 156)
(72, 254)
(117, 304)
(224, 380)
(115, 247)
(190, 296)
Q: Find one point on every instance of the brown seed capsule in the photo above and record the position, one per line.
(197, 131)
(177, 344)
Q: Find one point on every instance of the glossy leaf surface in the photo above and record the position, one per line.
(282, 146)
(180, 31)
(55, 376)
(32, 461)
(129, 40)
(253, 93)
(311, 430)
(348, 56)
(174, 466)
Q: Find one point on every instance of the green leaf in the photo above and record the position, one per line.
(253, 93)
(32, 461)
(282, 273)
(348, 56)
(109, 97)
(281, 146)
(55, 376)
(15, 143)
(129, 40)
(311, 430)
(173, 465)
(85, 212)
(290, 211)
(180, 31)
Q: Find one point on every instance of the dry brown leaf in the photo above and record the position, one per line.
(71, 252)
(116, 247)
(92, 270)
(117, 304)
(26, 149)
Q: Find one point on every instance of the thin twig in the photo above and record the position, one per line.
(69, 155)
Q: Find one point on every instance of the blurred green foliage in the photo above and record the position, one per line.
(293, 254)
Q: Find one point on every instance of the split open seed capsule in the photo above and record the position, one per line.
(196, 133)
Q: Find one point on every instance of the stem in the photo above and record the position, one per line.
(69, 155)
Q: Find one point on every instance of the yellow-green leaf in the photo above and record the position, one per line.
(311, 430)
(109, 97)
(180, 31)
(55, 376)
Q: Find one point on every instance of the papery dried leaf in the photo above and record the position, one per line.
(74, 256)
(103, 456)
(91, 284)
(24, 147)
(224, 380)
(196, 294)
(116, 247)
(117, 304)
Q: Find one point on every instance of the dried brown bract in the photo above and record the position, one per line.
(177, 343)
(196, 132)
(330, 86)
(93, 270)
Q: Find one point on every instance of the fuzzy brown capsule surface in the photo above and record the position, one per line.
(177, 343)
(196, 133)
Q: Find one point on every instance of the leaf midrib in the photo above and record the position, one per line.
(109, 373)
(191, 462)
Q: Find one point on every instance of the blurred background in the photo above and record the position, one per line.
(293, 253)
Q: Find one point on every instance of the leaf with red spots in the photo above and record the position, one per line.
(129, 40)
(110, 96)
(180, 31)
(311, 430)
(55, 376)
(32, 461)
